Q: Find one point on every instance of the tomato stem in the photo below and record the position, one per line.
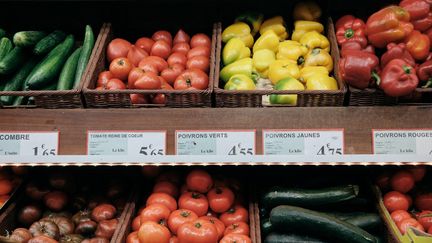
(195, 195)
(349, 33)
(185, 214)
(218, 190)
(198, 225)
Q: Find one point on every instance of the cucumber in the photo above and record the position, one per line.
(51, 65)
(317, 224)
(13, 60)
(2, 33)
(17, 81)
(87, 48)
(5, 47)
(28, 38)
(266, 227)
(49, 42)
(291, 238)
(67, 74)
(309, 197)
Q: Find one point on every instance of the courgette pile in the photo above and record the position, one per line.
(35, 60)
(293, 215)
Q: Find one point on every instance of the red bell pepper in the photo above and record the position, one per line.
(398, 78)
(390, 24)
(350, 28)
(424, 73)
(396, 51)
(357, 68)
(420, 13)
(418, 45)
(429, 34)
(352, 45)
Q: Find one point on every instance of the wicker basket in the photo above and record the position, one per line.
(55, 99)
(121, 98)
(369, 97)
(257, 98)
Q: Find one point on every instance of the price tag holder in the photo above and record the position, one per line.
(303, 142)
(402, 141)
(215, 142)
(145, 143)
(29, 143)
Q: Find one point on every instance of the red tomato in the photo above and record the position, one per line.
(199, 51)
(5, 187)
(163, 35)
(407, 223)
(200, 40)
(181, 48)
(166, 187)
(198, 231)
(157, 62)
(180, 217)
(402, 181)
(54, 200)
(235, 238)
(399, 215)
(148, 81)
(430, 230)
(172, 176)
(145, 43)
(4, 199)
(418, 172)
(237, 228)
(172, 72)
(117, 48)
(151, 232)
(220, 199)
(395, 201)
(220, 227)
(150, 171)
(158, 213)
(173, 239)
(120, 68)
(410, 201)
(177, 57)
(136, 223)
(165, 84)
(161, 49)
(195, 202)
(115, 84)
(383, 181)
(425, 219)
(181, 37)
(103, 78)
(134, 75)
(200, 62)
(424, 201)
(192, 79)
(162, 198)
(136, 54)
(133, 238)
(235, 215)
(210, 213)
(199, 180)
(159, 99)
(138, 99)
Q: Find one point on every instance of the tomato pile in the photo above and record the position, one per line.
(159, 62)
(402, 187)
(201, 210)
(8, 181)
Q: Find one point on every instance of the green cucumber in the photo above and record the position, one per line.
(49, 42)
(28, 38)
(87, 49)
(17, 81)
(50, 67)
(13, 60)
(291, 238)
(317, 224)
(67, 74)
(2, 33)
(5, 47)
(309, 197)
(266, 227)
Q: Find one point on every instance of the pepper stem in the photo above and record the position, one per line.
(300, 60)
(376, 77)
(428, 84)
(407, 69)
(349, 33)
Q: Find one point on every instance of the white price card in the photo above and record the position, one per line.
(303, 142)
(402, 141)
(29, 143)
(215, 142)
(145, 143)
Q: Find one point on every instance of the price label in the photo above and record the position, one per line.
(303, 142)
(29, 143)
(418, 142)
(216, 142)
(145, 143)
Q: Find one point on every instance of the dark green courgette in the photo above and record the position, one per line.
(49, 42)
(67, 75)
(370, 222)
(28, 38)
(86, 51)
(13, 60)
(5, 47)
(2, 33)
(266, 227)
(291, 238)
(309, 197)
(19, 101)
(317, 224)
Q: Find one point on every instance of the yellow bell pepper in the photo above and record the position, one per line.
(319, 57)
(321, 82)
(234, 50)
(307, 10)
(240, 82)
(281, 69)
(292, 50)
(242, 66)
(268, 40)
(301, 27)
(240, 30)
(262, 59)
(277, 24)
(253, 19)
(314, 40)
(286, 84)
(307, 72)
